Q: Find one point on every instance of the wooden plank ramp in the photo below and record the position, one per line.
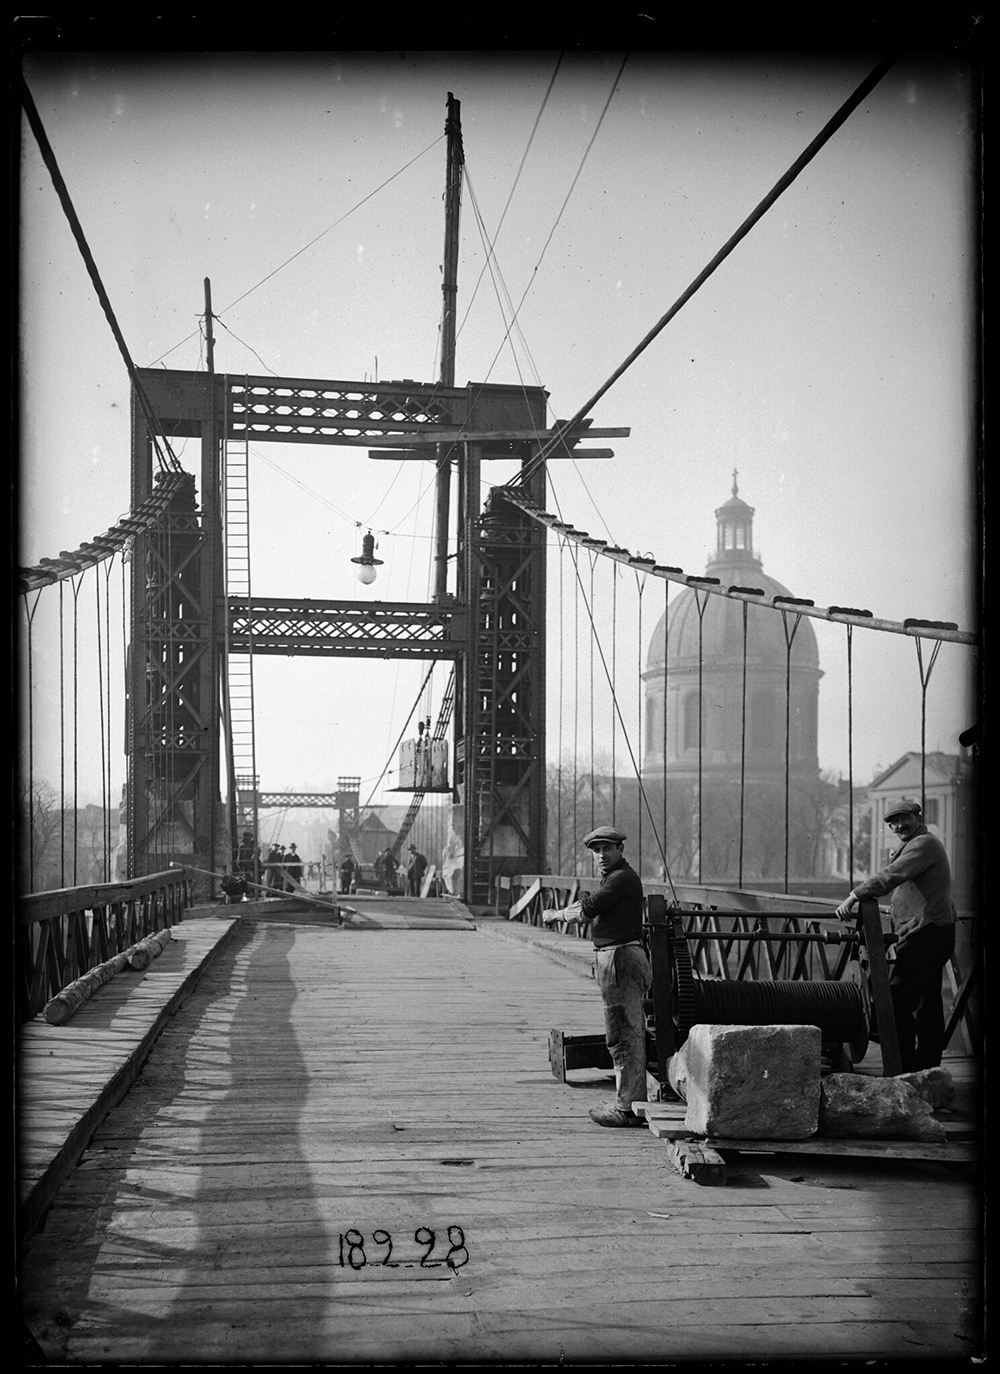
(350, 1148)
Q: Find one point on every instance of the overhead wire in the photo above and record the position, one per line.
(392, 753)
(304, 249)
(510, 195)
(778, 189)
(562, 209)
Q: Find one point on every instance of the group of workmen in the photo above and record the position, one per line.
(386, 872)
(917, 875)
(280, 871)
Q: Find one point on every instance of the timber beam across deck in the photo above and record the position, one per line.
(347, 629)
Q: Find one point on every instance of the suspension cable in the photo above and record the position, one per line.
(29, 611)
(614, 698)
(850, 754)
(789, 639)
(610, 680)
(107, 652)
(593, 794)
(640, 584)
(100, 703)
(123, 843)
(925, 677)
(62, 191)
(743, 742)
(62, 746)
(77, 584)
(780, 186)
(701, 607)
(576, 719)
(666, 684)
(559, 749)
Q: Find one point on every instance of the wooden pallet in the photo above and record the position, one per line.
(666, 1121)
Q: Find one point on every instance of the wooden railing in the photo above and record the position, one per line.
(60, 935)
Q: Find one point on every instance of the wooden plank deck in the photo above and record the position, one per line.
(325, 1093)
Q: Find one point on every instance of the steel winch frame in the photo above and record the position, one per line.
(676, 1002)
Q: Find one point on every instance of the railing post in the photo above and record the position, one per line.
(870, 924)
(659, 931)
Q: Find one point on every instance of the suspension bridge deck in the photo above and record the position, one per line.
(349, 1147)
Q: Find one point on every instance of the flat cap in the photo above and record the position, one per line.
(902, 808)
(604, 834)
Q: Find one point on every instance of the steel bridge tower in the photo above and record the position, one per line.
(492, 627)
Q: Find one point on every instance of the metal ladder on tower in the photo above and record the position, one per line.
(239, 665)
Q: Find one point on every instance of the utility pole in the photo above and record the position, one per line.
(209, 335)
(449, 287)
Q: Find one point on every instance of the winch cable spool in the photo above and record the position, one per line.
(839, 1008)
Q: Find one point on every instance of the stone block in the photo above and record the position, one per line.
(854, 1105)
(677, 1072)
(935, 1086)
(753, 1082)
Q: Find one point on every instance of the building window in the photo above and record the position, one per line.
(931, 812)
(741, 537)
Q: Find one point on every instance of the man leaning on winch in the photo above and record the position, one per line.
(923, 916)
(623, 973)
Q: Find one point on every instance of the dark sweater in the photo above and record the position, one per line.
(919, 877)
(616, 907)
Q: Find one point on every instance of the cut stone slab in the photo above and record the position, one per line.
(853, 1105)
(935, 1086)
(753, 1082)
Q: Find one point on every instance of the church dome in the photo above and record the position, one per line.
(720, 623)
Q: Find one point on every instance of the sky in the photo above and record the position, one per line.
(831, 359)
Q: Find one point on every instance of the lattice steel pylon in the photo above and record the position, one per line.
(244, 783)
(502, 762)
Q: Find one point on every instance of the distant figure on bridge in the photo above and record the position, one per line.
(415, 871)
(347, 867)
(923, 916)
(623, 972)
(274, 877)
(388, 869)
(293, 868)
(247, 858)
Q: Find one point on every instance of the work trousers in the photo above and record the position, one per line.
(915, 985)
(623, 976)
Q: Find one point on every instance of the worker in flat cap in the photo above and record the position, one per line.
(622, 968)
(918, 875)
